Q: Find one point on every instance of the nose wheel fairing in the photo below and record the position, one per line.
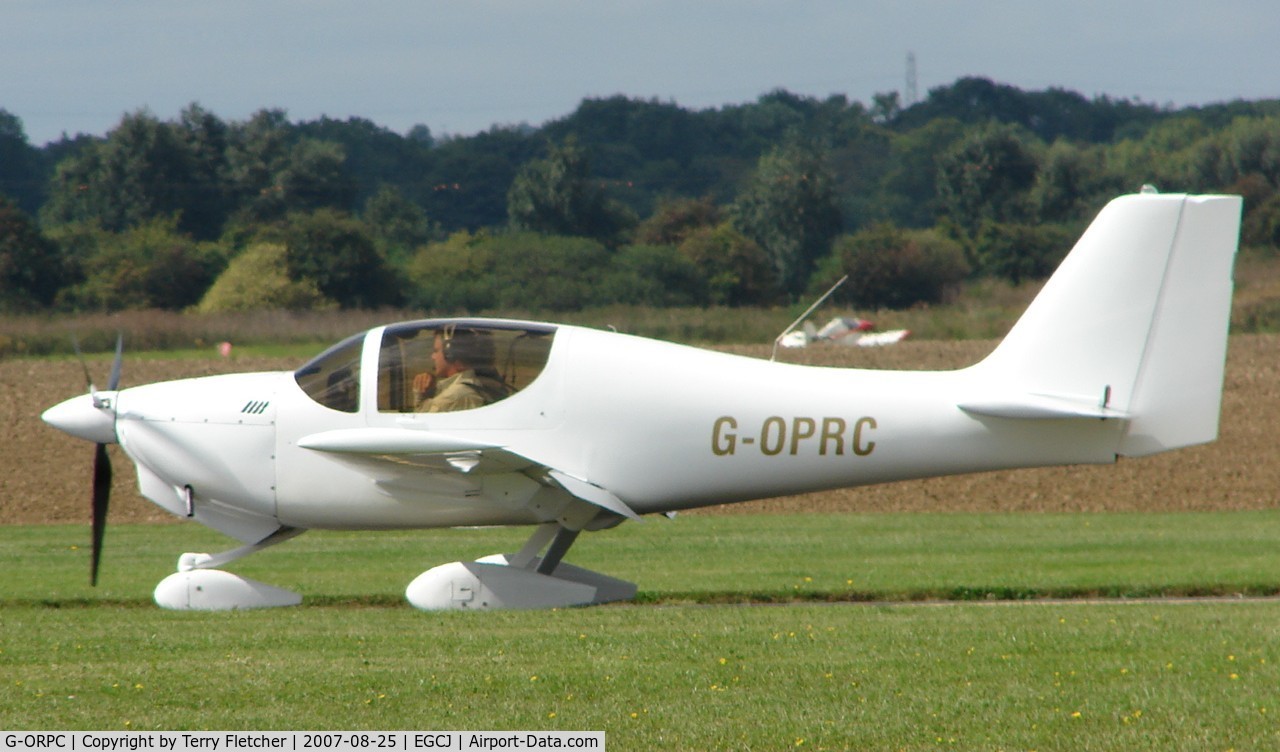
(198, 586)
(216, 590)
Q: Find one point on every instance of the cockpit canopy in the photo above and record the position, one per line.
(499, 359)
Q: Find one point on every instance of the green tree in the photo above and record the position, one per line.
(397, 225)
(1049, 114)
(23, 172)
(334, 250)
(909, 188)
(789, 209)
(144, 170)
(467, 182)
(32, 268)
(1248, 146)
(134, 175)
(257, 151)
(314, 177)
(274, 171)
(1020, 252)
(1167, 156)
(558, 196)
(209, 198)
(1070, 184)
(885, 107)
(1253, 146)
(987, 177)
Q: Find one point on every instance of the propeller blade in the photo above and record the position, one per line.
(88, 380)
(117, 364)
(101, 496)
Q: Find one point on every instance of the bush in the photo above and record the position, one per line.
(258, 280)
(1261, 225)
(521, 270)
(736, 269)
(652, 275)
(151, 265)
(893, 268)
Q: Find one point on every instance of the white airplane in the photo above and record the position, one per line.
(572, 429)
(843, 331)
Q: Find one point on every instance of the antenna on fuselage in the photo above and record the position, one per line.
(778, 340)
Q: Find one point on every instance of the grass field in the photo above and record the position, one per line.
(860, 657)
(673, 672)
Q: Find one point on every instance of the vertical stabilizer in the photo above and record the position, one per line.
(1133, 324)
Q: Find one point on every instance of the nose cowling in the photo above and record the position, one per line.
(91, 417)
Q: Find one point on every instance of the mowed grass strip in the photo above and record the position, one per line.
(958, 676)
(672, 673)
(714, 559)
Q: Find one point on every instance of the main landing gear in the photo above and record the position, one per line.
(523, 580)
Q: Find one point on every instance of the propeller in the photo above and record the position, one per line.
(101, 460)
(101, 498)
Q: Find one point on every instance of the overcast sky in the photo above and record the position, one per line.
(460, 66)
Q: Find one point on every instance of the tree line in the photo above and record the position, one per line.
(622, 201)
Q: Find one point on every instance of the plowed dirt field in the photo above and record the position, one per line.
(44, 475)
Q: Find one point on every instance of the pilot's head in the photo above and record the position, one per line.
(458, 349)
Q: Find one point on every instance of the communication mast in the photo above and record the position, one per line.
(911, 93)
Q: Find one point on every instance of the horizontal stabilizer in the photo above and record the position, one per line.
(1042, 406)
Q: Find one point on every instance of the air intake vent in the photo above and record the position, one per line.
(255, 407)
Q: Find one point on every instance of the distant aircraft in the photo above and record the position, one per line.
(842, 330)
(567, 429)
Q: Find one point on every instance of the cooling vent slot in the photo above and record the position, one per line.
(255, 407)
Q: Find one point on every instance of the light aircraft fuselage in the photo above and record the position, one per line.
(1121, 354)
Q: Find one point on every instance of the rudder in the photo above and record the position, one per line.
(1177, 396)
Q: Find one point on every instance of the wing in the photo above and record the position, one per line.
(411, 458)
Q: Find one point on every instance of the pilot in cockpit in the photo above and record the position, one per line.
(465, 376)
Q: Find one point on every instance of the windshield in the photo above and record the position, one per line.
(443, 366)
(332, 378)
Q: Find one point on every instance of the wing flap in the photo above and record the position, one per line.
(593, 494)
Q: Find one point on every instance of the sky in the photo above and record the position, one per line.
(463, 66)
